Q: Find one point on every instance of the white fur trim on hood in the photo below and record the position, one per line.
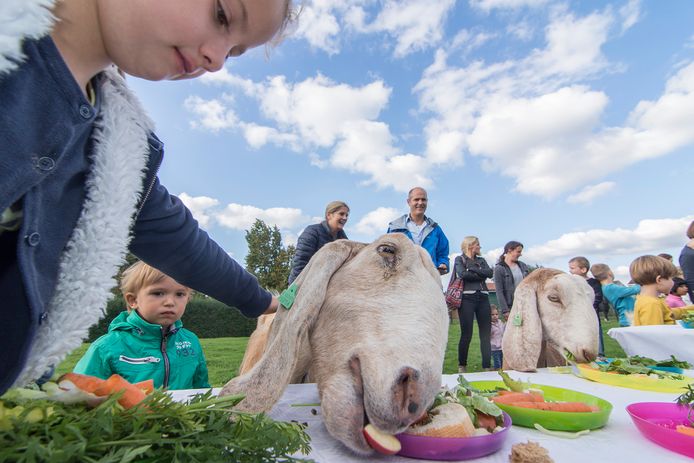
(100, 239)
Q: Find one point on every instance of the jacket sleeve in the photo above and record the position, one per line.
(306, 247)
(167, 237)
(500, 289)
(597, 290)
(93, 363)
(442, 251)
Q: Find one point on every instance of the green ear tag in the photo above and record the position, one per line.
(517, 320)
(287, 297)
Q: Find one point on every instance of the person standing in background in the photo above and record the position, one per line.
(579, 266)
(422, 230)
(508, 273)
(687, 261)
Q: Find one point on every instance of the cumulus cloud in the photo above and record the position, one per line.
(375, 222)
(488, 5)
(213, 115)
(199, 207)
(590, 192)
(242, 217)
(553, 141)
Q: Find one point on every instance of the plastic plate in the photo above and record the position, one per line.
(687, 325)
(657, 422)
(453, 448)
(679, 371)
(556, 421)
(641, 382)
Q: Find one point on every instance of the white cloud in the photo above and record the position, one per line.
(213, 114)
(242, 217)
(630, 14)
(488, 5)
(375, 223)
(199, 206)
(590, 192)
(650, 236)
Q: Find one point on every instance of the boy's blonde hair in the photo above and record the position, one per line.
(601, 271)
(645, 269)
(139, 275)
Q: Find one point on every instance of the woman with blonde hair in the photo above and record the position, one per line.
(471, 267)
(318, 235)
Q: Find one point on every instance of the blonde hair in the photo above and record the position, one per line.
(467, 242)
(334, 206)
(139, 275)
(645, 270)
(601, 271)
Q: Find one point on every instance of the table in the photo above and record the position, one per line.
(656, 341)
(618, 441)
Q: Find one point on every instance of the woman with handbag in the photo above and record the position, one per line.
(473, 270)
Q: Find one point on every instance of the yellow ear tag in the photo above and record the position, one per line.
(517, 320)
(287, 297)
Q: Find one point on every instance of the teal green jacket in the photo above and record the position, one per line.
(138, 350)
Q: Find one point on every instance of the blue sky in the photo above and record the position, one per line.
(568, 126)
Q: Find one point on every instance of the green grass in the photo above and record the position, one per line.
(224, 355)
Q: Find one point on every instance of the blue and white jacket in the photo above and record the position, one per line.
(86, 179)
(433, 239)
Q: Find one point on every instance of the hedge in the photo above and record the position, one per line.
(206, 317)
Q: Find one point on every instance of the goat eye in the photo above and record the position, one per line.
(387, 249)
(553, 298)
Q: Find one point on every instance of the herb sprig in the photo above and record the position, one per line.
(162, 430)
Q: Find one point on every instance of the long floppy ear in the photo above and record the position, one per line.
(522, 340)
(264, 384)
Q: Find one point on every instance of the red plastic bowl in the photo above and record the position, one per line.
(657, 421)
(453, 448)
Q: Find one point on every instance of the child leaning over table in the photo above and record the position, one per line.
(654, 274)
(679, 289)
(621, 297)
(497, 334)
(148, 340)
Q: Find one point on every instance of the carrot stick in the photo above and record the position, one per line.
(513, 397)
(132, 395)
(576, 407)
(84, 382)
(146, 386)
(686, 430)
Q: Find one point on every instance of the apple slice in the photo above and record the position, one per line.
(380, 441)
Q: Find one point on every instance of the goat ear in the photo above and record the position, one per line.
(429, 264)
(522, 340)
(264, 384)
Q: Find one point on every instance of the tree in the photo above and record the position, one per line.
(267, 258)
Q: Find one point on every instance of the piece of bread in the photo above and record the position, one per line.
(530, 452)
(448, 420)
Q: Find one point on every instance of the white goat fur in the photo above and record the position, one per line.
(363, 314)
(557, 313)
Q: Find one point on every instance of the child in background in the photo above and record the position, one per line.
(579, 266)
(679, 289)
(654, 274)
(621, 297)
(148, 340)
(497, 334)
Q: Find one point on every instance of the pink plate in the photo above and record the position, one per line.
(657, 421)
(452, 448)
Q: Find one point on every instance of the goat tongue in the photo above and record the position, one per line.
(380, 441)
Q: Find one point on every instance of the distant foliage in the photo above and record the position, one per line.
(204, 316)
(267, 258)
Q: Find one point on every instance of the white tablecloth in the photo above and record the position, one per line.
(656, 341)
(619, 441)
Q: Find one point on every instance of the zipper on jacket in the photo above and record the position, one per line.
(167, 369)
(149, 188)
(138, 361)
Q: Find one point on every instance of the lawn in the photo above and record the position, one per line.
(224, 354)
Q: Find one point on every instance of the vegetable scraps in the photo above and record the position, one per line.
(687, 400)
(522, 395)
(483, 413)
(35, 426)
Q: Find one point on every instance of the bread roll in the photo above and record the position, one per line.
(448, 420)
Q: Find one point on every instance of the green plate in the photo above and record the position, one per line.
(557, 421)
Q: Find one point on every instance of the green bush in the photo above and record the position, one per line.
(206, 317)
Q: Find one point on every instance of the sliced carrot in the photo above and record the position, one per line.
(146, 386)
(84, 382)
(686, 430)
(132, 395)
(576, 407)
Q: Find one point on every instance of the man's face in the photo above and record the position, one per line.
(417, 202)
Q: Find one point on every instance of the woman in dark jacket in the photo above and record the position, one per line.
(687, 261)
(508, 273)
(318, 235)
(474, 271)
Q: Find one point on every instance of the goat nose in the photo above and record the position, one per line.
(407, 394)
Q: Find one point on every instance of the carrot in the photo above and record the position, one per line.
(511, 397)
(132, 395)
(686, 430)
(576, 407)
(146, 386)
(84, 382)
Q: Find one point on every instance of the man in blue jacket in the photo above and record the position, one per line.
(422, 230)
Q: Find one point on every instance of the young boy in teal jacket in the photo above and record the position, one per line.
(621, 297)
(148, 341)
